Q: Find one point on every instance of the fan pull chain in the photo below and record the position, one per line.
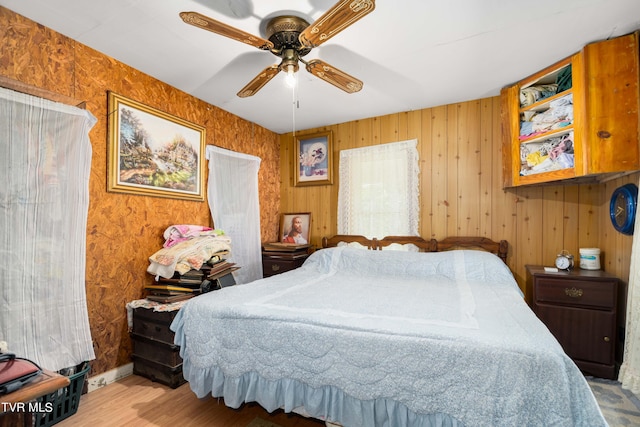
(293, 108)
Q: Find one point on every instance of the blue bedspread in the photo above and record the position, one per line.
(385, 338)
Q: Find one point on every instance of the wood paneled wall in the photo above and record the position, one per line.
(124, 230)
(461, 190)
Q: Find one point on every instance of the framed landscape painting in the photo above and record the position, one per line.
(152, 153)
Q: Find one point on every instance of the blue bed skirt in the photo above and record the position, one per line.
(325, 403)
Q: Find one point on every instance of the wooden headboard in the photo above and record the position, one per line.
(499, 248)
(419, 242)
(330, 242)
(457, 242)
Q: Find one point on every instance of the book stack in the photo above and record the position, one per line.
(211, 276)
(177, 288)
(219, 270)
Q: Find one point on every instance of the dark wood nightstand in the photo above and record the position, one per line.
(278, 262)
(580, 309)
(155, 356)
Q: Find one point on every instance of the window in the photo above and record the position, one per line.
(378, 193)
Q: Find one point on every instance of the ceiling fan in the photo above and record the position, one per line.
(290, 38)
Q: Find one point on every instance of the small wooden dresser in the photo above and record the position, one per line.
(580, 309)
(155, 356)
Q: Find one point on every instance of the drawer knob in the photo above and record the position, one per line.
(573, 292)
(607, 339)
(275, 267)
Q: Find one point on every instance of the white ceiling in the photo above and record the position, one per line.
(410, 54)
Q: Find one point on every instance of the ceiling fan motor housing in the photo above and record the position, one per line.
(283, 32)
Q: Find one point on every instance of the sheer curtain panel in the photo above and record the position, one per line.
(629, 374)
(45, 161)
(379, 190)
(235, 207)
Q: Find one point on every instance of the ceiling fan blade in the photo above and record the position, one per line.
(336, 19)
(201, 21)
(332, 75)
(258, 81)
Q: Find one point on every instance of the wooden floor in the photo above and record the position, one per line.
(137, 401)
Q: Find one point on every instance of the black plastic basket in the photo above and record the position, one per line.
(63, 402)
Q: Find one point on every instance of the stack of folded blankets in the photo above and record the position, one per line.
(193, 260)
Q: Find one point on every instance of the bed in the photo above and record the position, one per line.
(360, 335)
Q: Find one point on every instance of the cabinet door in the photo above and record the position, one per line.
(584, 334)
(611, 99)
(509, 101)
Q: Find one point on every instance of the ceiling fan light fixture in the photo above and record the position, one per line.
(290, 78)
(289, 66)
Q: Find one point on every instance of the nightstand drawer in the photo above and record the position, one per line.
(277, 266)
(600, 294)
(156, 351)
(162, 317)
(153, 330)
(280, 262)
(164, 374)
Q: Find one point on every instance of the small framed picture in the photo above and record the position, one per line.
(313, 160)
(295, 228)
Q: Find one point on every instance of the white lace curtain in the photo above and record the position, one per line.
(235, 207)
(379, 190)
(630, 370)
(45, 161)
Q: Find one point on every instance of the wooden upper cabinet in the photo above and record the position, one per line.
(577, 119)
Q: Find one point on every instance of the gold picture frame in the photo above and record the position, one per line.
(313, 159)
(295, 228)
(152, 153)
